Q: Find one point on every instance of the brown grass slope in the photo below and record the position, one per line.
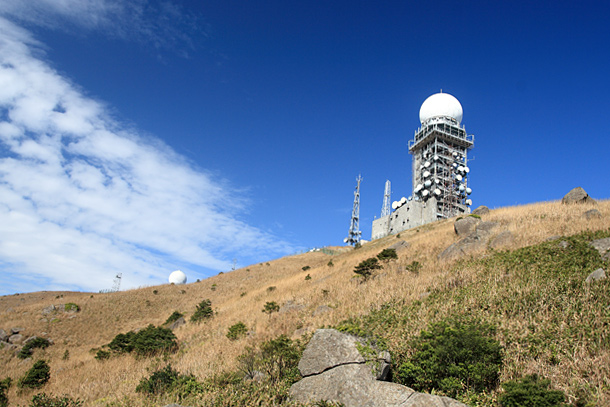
(240, 296)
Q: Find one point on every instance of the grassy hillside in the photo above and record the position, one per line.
(547, 320)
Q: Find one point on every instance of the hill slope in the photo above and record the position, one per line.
(548, 321)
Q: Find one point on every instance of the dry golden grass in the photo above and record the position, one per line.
(240, 296)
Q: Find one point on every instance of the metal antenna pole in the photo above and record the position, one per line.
(385, 208)
(353, 236)
(117, 283)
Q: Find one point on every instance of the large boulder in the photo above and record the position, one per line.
(465, 226)
(603, 247)
(3, 335)
(476, 240)
(398, 246)
(592, 214)
(577, 196)
(481, 210)
(599, 274)
(334, 369)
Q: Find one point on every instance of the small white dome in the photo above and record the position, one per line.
(441, 104)
(177, 277)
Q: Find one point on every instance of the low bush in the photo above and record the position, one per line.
(330, 263)
(71, 307)
(305, 268)
(366, 267)
(387, 254)
(307, 277)
(38, 375)
(5, 384)
(169, 380)
(42, 400)
(174, 317)
(202, 311)
(237, 331)
(29, 347)
(414, 267)
(530, 391)
(452, 357)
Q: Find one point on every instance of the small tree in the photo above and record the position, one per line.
(42, 400)
(28, 348)
(305, 268)
(387, 255)
(37, 376)
(174, 317)
(203, 311)
(271, 307)
(366, 267)
(4, 386)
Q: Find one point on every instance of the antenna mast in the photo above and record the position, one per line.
(116, 283)
(353, 236)
(385, 208)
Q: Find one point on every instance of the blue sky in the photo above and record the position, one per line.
(146, 136)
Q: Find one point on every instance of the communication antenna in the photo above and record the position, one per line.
(234, 264)
(353, 236)
(385, 208)
(116, 283)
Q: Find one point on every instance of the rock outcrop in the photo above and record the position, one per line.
(577, 196)
(599, 274)
(476, 240)
(592, 214)
(603, 247)
(345, 369)
(466, 226)
(481, 210)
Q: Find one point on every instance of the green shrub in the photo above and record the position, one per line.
(202, 311)
(66, 355)
(307, 277)
(271, 307)
(174, 317)
(153, 340)
(29, 347)
(530, 391)
(474, 215)
(37, 376)
(71, 307)
(237, 331)
(330, 263)
(271, 289)
(169, 380)
(213, 287)
(5, 384)
(366, 267)
(387, 254)
(414, 267)
(305, 268)
(279, 359)
(453, 357)
(149, 341)
(42, 400)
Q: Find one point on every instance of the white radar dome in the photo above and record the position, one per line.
(441, 104)
(177, 277)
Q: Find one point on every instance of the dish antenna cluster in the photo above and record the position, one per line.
(354, 234)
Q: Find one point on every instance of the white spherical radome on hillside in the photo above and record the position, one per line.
(177, 277)
(441, 104)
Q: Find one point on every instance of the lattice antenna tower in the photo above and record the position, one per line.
(353, 236)
(387, 197)
(116, 283)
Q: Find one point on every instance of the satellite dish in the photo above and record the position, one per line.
(468, 202)
(468, 191)
(403, 200)
(345, 240)
(177, 277)
(461, 188)
(437, 192)
(426, 174)
(428, 183)
(454, 154)
(435, 158)
(427, 164)
(458, 177)
(425, 193)
(466, 170)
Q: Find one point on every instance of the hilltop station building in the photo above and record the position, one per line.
(440, 170)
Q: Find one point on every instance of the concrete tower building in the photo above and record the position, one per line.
(440, 169)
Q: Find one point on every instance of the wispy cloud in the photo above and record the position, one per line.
(161, 23)
(82, 197)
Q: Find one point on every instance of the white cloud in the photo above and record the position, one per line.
(82, 198)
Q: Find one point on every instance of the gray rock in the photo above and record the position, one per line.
(15, 339)
(481, 210)
(503, 239)
(564, 244)
(345, 377)
(16, 330)
(177, 323)
(3, 335)
(48, 310)
(553, 238)
(322, 309)
(486, 228)
(597, 275)
(592, 214)
(302, 331)
(601, 245)
(398, 246)
(464, 246)
(30, 339)
(290, 306)
(329, 348)
(466, 226)
(577, 196)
